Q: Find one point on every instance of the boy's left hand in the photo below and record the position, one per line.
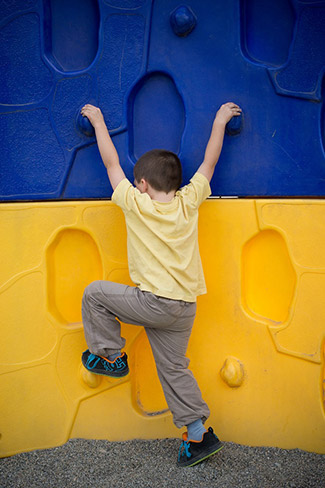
(93, 113)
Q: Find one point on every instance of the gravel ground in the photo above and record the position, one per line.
(86, 463)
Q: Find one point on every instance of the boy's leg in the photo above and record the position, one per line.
(105, 304)
(102, 329)
(180, 388)
(168, 324)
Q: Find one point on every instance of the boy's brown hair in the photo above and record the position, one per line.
(160, 168)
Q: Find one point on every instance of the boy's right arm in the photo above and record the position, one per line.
(105, 145)
(214, 146)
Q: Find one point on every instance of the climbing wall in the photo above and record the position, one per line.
(159, 71)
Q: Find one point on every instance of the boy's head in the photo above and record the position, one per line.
(161, 169)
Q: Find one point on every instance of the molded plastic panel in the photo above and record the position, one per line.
(32, 171)
(70, 93)
(71, 33)
(267, 29)
(37, 336)
(147, 394)
(73, 261)
(120, 64)
(269, 278)
(302, 75)
(25, 79)
(260, 328)
(157, 116)
(157, 87)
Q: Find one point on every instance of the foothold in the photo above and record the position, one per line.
(84, 125)
(183, 21)
(232, 372)
(234, 125)
(90, 379)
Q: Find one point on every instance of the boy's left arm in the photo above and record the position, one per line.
(214, 146)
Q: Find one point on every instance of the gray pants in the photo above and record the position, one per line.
(168, 324)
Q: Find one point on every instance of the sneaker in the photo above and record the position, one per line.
(100, 365)
(193, 452)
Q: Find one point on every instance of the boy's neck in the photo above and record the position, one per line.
(159, 196)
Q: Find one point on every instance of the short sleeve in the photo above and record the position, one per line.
(123, 195)
(197, 190)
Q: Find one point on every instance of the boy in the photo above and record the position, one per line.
(164, 263)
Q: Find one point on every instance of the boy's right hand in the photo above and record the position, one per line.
(226, 112)
(213, 149)
(94, 114)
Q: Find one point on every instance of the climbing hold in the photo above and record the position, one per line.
(234, 125)
(90, 379)
(232, 372)
(183, 21)
(84, 125)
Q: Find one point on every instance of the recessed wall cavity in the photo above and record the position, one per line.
(322, 121)
(268, 276)
(71, 33)
(73, 262)
(156, 115)
(267, 28)
(147, 393)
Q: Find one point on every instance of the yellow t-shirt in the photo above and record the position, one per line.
(162, 238)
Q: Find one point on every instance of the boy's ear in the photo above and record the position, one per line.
(144, 185)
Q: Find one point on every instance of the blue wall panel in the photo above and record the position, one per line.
(160, 88)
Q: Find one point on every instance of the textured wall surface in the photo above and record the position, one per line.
(257, 347)
(159, 72)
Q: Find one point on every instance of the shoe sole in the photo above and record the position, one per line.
(206, 456)
(111, 375)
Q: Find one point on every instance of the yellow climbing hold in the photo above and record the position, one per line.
(232, 372)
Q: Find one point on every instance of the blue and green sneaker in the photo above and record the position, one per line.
(100, 365)
(193, 452)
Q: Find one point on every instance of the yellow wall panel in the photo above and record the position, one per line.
(268, 277)
(35, 226)
(34, 413)
(303, 223)
(27, 333)
(257, 347)
(73, 261)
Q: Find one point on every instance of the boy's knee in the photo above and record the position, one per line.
(90, 290)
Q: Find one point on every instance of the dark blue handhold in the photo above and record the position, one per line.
(234, 125)
(183, 21)
(85, 126)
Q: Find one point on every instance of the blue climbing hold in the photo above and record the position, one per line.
(84, 125)
(234, 125)
(183, 21)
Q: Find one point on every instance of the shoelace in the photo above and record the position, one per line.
(184, 446)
